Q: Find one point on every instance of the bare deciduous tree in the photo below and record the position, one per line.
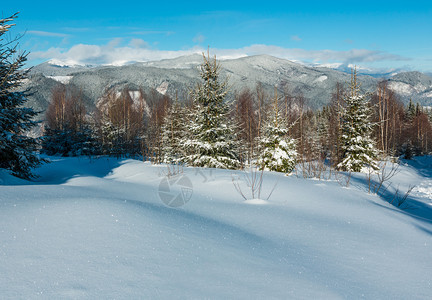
(66, 110)
(246, 116)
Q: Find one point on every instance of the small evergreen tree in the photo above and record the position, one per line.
(17, 151)
(411, 111)
(357, 146)
(212, 141)
(158, 107)
(173, 131)
(277, 151)
(316, 132)
(68, 142)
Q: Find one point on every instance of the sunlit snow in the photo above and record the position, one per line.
(97, 229)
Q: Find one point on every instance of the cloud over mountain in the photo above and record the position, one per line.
(114, 53)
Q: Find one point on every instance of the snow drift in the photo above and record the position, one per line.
(98, 229)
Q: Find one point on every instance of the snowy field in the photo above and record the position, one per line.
(99, 230)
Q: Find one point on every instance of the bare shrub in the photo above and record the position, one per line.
(254, 181)
(314, 169)
(171, 170)
(399, 200)
(383, 176)
(343, 178)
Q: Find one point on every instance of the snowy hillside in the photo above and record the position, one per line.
(99, 230)
(182, 73)
(178, 75)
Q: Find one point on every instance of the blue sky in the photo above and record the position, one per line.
(376, 34)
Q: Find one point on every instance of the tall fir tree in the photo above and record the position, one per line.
(211, 142)
(358, 148)
(277, 151)
(17, 150)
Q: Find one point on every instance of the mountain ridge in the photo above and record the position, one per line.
(179, 75)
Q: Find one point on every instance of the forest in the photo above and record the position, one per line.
(202, 123)
(202, 128)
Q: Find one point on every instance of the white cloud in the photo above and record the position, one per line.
(138, 43)
(296, 38)
(77, 29)
(350, 56)
(153, 32)
(109, 54)
(114, 42)
(138, 50)
(199, 38)
(47, 33)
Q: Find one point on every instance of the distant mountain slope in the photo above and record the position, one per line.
(316, 84)
(180, 74)
(413, 84)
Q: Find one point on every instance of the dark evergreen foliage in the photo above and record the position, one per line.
(17, 150)
(68, 142)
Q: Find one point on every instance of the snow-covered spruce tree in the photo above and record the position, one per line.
(358, 149)
(17, 151)
(211, 140)
(277, 151)
(173, 131)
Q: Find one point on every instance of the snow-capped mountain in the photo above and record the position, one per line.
(179, 75)
(57, 68)
(346, 68)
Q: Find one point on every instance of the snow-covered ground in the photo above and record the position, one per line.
(99, 230)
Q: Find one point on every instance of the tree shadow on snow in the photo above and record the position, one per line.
(61, 169)
(421, 164)
(412, 206)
